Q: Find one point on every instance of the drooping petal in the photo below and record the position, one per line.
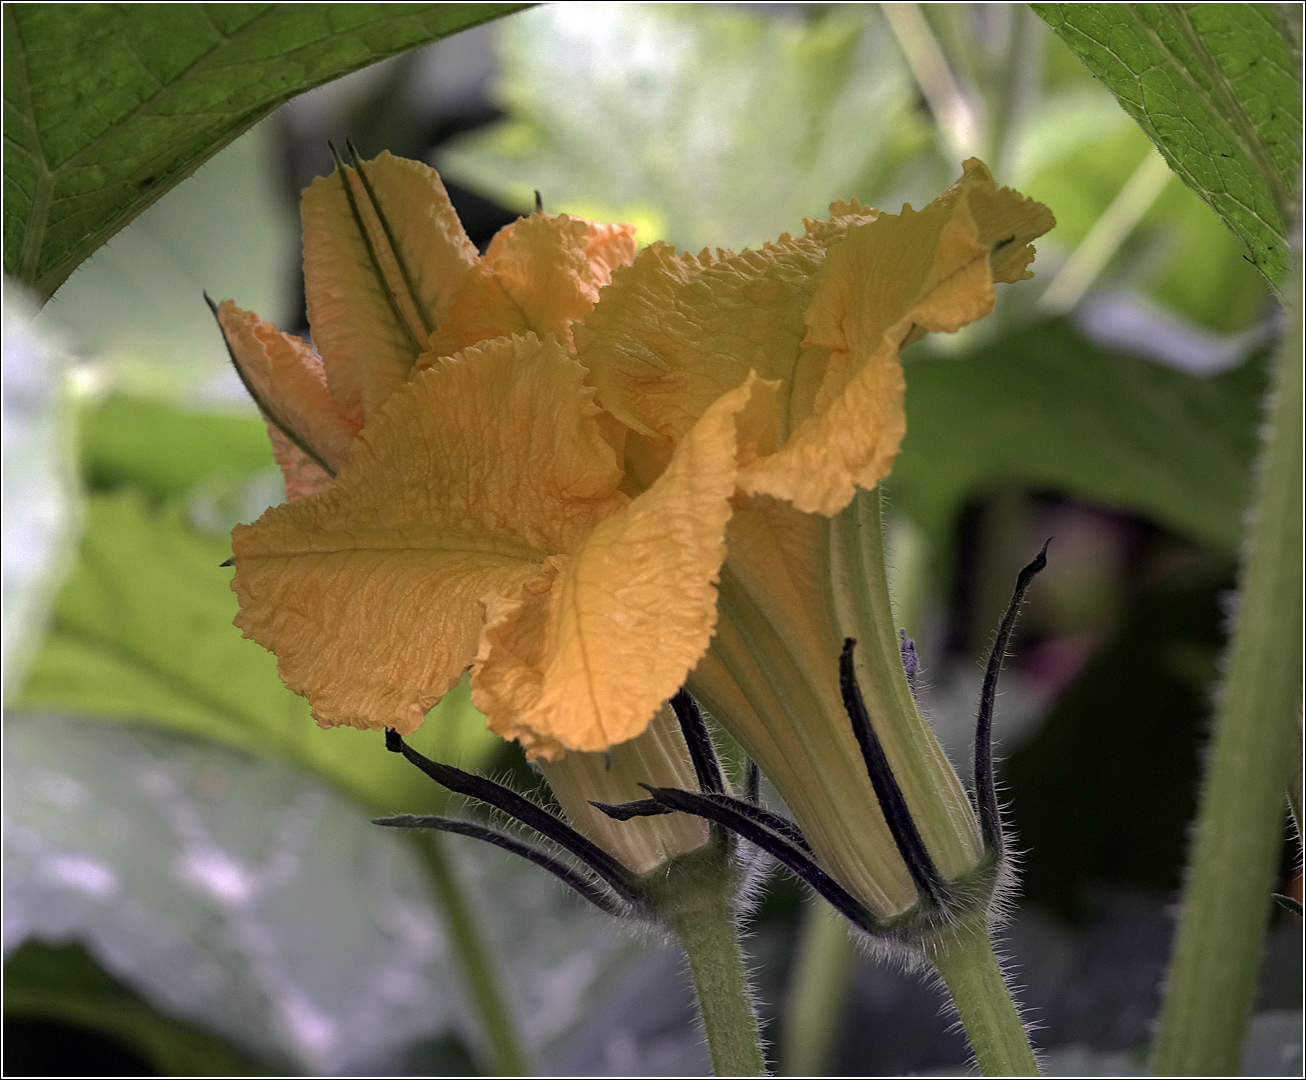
(381, 267)
(883, 285)
(287, 382)
(462, 484)
(539, 275)
(581, 656)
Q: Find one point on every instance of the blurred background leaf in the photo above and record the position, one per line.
(1047, 408)
(715, 129)
(58, 998)
(1217, 87)
(107, 107)
(244, 897)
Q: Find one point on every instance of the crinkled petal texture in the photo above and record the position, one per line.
(581, 656)
(539, 275)
(824, 314)
(310, 437)
(384, 254)
(467, 480)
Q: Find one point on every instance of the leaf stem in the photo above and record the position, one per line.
(1239, 834)
(970, 969)
(502, 1040)
(710, 936)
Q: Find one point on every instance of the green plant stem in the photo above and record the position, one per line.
(501, 1038)
(818, 991)
(969, 967)
(711, 939)
(1212, 985)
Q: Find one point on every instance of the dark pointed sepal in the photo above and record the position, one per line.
(699, 740)
(1290, 903)
(627, 810)
(727, 813)
(986, 792)
(523, 810)
(929, 883)
(586, 887)
(752, 783)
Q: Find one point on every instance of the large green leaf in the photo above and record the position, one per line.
(1048, 409)
(142, 630)
(1216, 87)
(107, 106)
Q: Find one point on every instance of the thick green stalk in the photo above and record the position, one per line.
(1212, 984)
(502, 1041)
(711, 939)
(818, 991)
(969, 967)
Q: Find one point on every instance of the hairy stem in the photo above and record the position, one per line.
(502, 1041)
(711, 939)
(969, 967)
(1222, 924)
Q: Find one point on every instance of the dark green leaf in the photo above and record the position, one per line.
(1217, 88)
(63, 984)
(107, 106)
(1049, 409)
(142, 630)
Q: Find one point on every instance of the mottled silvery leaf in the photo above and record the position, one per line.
(249, 897)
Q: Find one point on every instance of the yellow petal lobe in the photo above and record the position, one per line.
(381, 267)
(461, 485)
(581, 656)
(675, 332)
(539, 275)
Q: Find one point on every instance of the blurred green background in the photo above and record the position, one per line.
(193, 886)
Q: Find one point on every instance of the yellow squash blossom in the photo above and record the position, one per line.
(535, 464)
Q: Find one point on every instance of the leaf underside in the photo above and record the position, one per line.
(1216, 87)
(106, 107)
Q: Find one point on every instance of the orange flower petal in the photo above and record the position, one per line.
(675, 332)
(581, 656)
(539, 275)
(462, 484)
(885, 283)
(287, 381)
(304, 476)
(374, 297)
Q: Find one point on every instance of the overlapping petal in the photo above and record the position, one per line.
(310, 438)
(581, 656)
(539, 275)
(382, 262)
(472, 475)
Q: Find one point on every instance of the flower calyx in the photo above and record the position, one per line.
(943, 905)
